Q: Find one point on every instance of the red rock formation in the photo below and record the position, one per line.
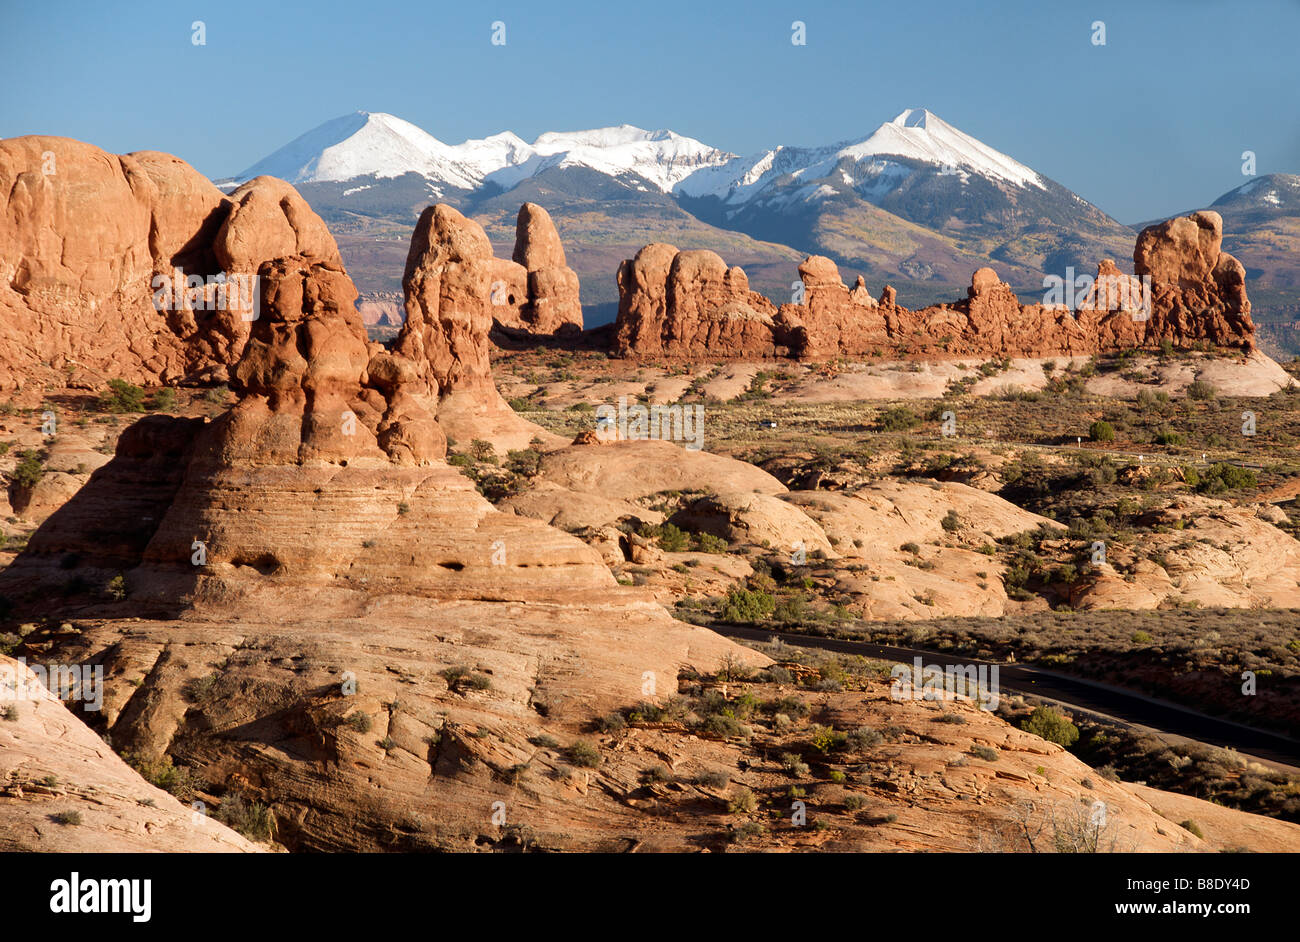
(690, 303)
(1186, 290)
(451, 276)
(1199, 291)
(552, 305)
(329, 468)
(314, 535)
(83, 236)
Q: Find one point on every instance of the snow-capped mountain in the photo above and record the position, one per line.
(382, 146)
(875, 165)
(662, 158)
(368, 145)
(1274, 194)
(947, 199)
(915, 201)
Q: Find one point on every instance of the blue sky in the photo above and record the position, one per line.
(1150, 124)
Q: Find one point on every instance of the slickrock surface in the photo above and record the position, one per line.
(1218, 556)
(1224, 828)
(83, 233)
(53, 769)
(689, 304)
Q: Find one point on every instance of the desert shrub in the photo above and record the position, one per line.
(863, 738)
(789, 706)
(747, 831)
(743, 801)
(910, 548)
(483, 451)
(713, 779)
(985, 753)
(29, 471)
(526, 461)
(164, 400)
(673, 539)
(1201, 390)
(1226, 477)
(708, 543)
(116, 588)
(1190, 825)
(250, 818)
(792, 763)
(1101, 431)
(825, 738)
(897, 419)
(359, 722)
(657, 773)
(162, 773)
(67, 817)
(459, 678)
(121, 396)
(1052, 726)
(951, 522)
(723, 726)
(747, 605)
(584, 755)
(611, 723)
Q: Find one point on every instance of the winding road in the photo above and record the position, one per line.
(1169, 721)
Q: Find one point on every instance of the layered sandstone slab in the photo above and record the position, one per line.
(312, 567)
(1185, 290)
(63, 790)
(85, 237)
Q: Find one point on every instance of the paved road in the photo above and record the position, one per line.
(1171, 722)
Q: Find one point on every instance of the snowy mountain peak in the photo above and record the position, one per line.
(378, 146)
(880, 162)
(363, 144)
(921, 135)
(912, 118)
(374, 144)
